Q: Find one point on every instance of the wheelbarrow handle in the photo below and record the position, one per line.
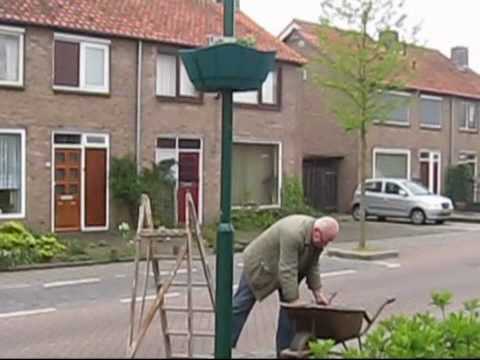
(370, 321)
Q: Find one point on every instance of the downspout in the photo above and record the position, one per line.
(452, 132)
(138, 125)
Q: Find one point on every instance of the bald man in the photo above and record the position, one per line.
(278, 260)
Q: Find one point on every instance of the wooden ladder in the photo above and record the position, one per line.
(148, 238)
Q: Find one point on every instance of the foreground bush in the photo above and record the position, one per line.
(454, 335)
(19, 246)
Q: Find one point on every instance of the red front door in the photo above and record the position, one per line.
(188, 180)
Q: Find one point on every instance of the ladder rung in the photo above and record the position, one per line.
(194, 284)
(185, 333)
(184, 309)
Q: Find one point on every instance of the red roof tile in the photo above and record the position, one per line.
(434, 72)
(181, 22)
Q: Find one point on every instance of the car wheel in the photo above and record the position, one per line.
(356, 213)
(418, 217)
(382, 218)
(440, 222)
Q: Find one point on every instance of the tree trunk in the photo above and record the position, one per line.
(363, 172)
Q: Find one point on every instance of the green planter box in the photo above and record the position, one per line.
(227, 67)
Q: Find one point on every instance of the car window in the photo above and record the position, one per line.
(416, 189)
(392, 188)
(373, 186)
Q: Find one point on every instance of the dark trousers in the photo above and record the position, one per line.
(243, 302)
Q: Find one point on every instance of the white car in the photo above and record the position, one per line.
(402, 199)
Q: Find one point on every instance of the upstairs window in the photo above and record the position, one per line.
(398, 103)
(431, 108)
(469, 116)
(172, 78)
(268, 96)
(81, 64)
(11, 56)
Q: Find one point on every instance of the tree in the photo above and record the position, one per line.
(358, 66)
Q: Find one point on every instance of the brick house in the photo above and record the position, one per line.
(437, 127)
(82, 82)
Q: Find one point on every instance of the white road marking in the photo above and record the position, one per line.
(71, 283)
(120, 276)
(15, 286)
(387, 264)
(27, 313)
(338, 273)
(149, 297)
(179, 272)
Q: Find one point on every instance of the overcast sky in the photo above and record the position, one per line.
(445, 23)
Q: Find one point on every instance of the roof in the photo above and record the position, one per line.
(179, 22)
(433, 72)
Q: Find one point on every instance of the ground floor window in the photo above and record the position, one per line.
(391, 163)
(12, 173)
(256, 180)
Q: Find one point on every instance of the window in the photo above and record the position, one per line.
(373, 186)
(172, 78)
(12, 173)
(469, 116)
(268, 95)
(81, 64)
(11, 56)
(431, 108)
(392, 164)
(256, 174)
(392, 188)
(398, 108)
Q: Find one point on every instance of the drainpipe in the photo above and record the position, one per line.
(451, 155)
(138, 125)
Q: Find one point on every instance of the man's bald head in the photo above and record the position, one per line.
(325, 230)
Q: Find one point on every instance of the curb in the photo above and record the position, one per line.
(363, 255)
(65, 265)
(464, 220)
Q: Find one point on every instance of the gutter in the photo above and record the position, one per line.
(138, 124)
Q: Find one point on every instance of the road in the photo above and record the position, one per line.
(83, 312)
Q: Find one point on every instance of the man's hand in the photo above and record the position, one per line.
(320, 299)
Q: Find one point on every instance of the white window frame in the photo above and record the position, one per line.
(84, 43)
(433, 98)
(390, 151)
(82, 146)
(20, 32)
(467, 127)
(431, 166)
(279, 145)
(23, 141)
(394, 122)
(201, 171)
(257, 101)
(467, 161)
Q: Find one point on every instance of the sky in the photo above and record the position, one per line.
(444, 23)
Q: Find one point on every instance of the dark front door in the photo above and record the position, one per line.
(320, 183)
(188, 180)
(95, 187)
(425, 174)
(67, 189)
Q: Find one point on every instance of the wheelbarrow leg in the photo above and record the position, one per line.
(299, 346)
(360, 344)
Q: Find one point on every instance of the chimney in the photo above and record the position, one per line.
(460, 57)
(237, 4)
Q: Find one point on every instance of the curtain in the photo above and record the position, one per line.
(391, 166)
(246, 97)
(166, 75)
(269, 89)
(9, 48)
(95, 66)
(186, 86)
(431, 112)
(10, 162)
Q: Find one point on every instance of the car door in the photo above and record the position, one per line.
(396, 202)
(373, 195)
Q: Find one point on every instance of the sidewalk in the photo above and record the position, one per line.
(465, 216)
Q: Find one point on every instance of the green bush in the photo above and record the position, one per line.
(19, 246)
(459, 186)
(456, 335)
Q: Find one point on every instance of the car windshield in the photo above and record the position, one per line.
(416, 189)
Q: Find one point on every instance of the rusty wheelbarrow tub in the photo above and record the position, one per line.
(327, 322)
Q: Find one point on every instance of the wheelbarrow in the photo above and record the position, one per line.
(317, 322)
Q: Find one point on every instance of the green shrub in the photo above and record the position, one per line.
(456, 335)
(459, 186)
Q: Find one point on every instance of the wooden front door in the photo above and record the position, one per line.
(67, 189)
(95, 187)
(188, 180)
(320, 183)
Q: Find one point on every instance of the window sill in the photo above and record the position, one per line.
(468, 131)
(261, 207)
(11, 86)
(263, 107)
(78, 91)
(431, 127)
(12, 217)
(181, 99)
(392, 124)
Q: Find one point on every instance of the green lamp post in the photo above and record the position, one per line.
(226, 68)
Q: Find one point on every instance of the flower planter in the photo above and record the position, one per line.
(227, 67)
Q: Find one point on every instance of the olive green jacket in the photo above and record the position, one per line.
(281, 257)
